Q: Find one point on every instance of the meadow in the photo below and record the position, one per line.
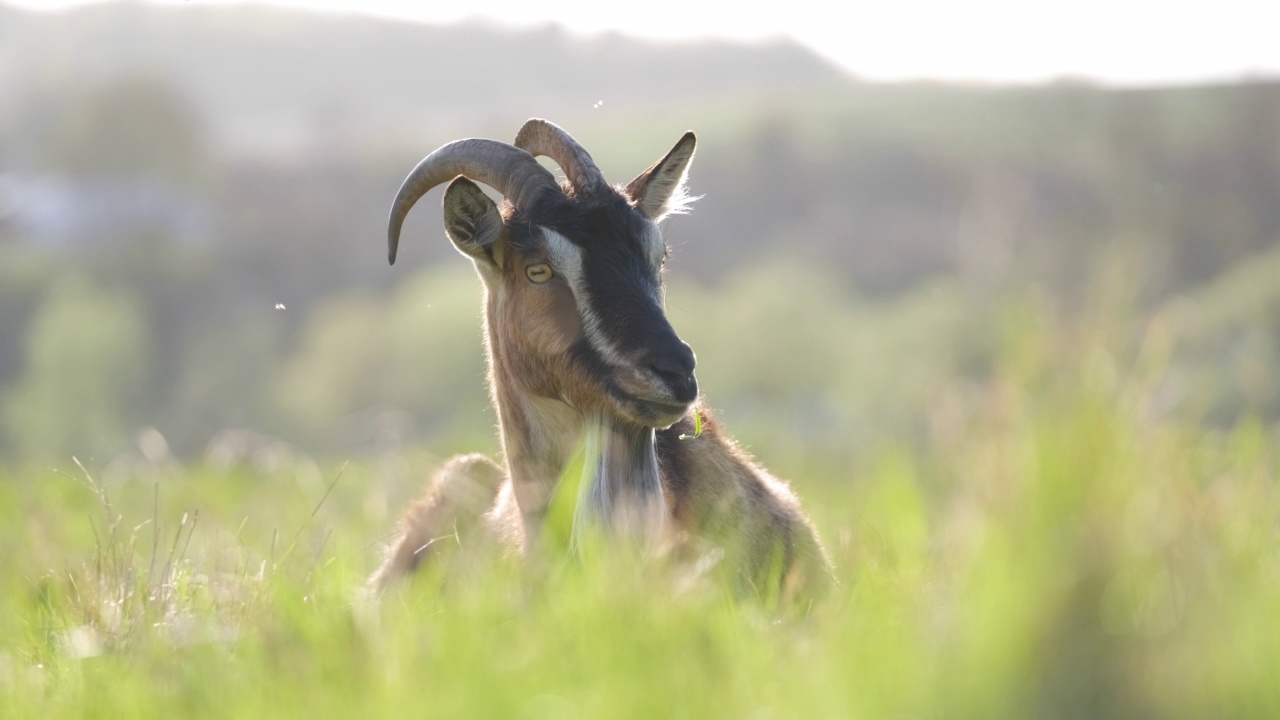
(1054, 546)
(1014, 347)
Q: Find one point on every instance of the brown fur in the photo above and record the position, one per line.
(459, 495)
(716, 491)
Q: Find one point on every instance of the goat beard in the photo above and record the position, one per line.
(621, 492)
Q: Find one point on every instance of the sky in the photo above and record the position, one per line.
(1116, 41)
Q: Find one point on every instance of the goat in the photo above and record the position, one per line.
(578, 344)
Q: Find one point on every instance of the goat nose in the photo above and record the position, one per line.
(675, 361)
(675, 367)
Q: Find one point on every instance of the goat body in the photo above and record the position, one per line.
(582, 358)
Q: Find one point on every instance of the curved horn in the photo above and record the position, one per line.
(543, 137)
(508, 169)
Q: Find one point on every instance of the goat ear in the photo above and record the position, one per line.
(472, 220)
(660, 190)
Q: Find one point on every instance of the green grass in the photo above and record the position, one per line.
(1055, 549)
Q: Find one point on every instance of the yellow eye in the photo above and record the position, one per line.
(538, 273)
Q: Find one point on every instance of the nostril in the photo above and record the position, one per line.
(689, 360)
(668, 368)
(675, 365)
(675, 368)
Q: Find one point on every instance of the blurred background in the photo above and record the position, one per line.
(193, 202)
(995, 285)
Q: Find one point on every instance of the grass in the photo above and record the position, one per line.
(1055, 548)
(697, 428)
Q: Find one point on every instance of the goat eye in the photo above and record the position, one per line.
(539, 273)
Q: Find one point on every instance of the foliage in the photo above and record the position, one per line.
(364, 364)
(1052, 550)
(854, 251)
(137, 126)
(85, 365)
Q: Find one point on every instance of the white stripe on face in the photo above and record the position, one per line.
(566, 258)
(654, 246)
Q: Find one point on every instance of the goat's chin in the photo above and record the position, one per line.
(651, 413)
(638, 402)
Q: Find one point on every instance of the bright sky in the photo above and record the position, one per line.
(1124, 41)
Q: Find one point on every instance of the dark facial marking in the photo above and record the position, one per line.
(623, 287)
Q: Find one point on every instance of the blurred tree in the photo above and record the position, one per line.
(436, 346)
(85, 366)
(875, 194)
(25, 273)
(341, 357)
(773, 334)
(135, 126)
(362, 359)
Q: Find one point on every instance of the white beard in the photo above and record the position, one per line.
(620, 491)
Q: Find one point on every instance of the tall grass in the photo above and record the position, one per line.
(1058, 548)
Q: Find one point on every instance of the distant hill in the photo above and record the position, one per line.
(297, 128)
(260, 74)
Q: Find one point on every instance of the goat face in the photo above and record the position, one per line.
(573, 274)
(574, 285)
